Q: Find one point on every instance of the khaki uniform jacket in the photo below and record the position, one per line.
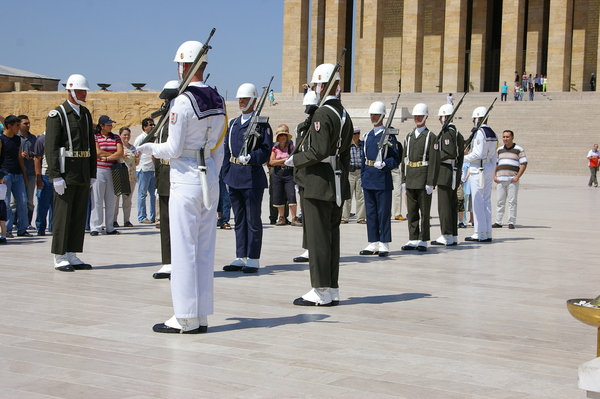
(449, 141)
(78, 171)
(324, 131)
(418, 177)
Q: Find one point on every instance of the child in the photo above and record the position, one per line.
(2, 209)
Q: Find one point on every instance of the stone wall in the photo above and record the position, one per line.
(125, 108)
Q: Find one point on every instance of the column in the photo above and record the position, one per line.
(295, 45)
(412, 48)
(317, 33)
(335, 32)
(476, 57)
(559, 45)
(433, 33)
(511, 48)
(535, 30)
(392, 45)
(369, 41)
(455, 30)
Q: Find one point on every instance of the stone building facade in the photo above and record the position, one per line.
(12, 79)
(442, 45)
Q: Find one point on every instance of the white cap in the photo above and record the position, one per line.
(247, 90)
(420, 109)
(188, 52)
(377, 108)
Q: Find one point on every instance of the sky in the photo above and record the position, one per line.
(135, 41)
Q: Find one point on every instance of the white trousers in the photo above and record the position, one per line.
(482, 200)
(103, 206)
(507, 190)
(193, 237)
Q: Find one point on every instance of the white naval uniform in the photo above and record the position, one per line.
(193, 232)
(482, 149)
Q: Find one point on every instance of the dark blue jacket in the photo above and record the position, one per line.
(371, 177)
(252, 175)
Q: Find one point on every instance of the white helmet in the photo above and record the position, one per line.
(446, 110)
(247, 90)
(169, 90)
(77, 82)
(377, 108)
(322, 73)
(479, 112)
(420, 109)
(310, 98)
(188, 52)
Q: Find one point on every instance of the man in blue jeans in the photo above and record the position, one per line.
(11, 163)
(146, 178)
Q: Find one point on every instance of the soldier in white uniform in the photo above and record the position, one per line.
(197, 123)
(483, 157)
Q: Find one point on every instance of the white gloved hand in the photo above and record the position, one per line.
(379, 165)
(404, 186)
(289, 161)
(92, 181)
(429, 189)
(145, 148)
(59, 185)
(244, 159)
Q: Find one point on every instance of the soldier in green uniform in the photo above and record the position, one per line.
(326, 160)
(419, 174)
(71, 155)
(451, 146)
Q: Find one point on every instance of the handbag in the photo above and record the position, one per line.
(120, 177)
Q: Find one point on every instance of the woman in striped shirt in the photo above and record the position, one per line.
(109, 148)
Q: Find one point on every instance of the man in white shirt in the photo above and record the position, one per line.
(145, 177)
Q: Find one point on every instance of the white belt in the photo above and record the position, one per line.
(329, 159)
(193, 153)
(448, 161)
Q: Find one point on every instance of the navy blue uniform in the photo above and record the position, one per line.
(246, 185)
(377, 185)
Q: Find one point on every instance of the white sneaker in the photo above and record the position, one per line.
(239, 262)
(61, 260)
(335, 294)
(165, 269)
(320, 296)
(73, 259)
(372, 247)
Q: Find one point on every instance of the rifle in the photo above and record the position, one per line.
(383, 140)
(332, 80)
(444, 127)
(164, 109)
(252, 131)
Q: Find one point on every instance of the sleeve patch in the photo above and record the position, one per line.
(317, 126)
(173, 117)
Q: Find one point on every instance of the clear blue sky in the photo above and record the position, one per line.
(131, 41)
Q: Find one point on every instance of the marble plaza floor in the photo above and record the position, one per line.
(473, 321)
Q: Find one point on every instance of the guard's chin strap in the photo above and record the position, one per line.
(378, 120)
(444, 118)
(180, 70)
(78, 101)
(247, 107)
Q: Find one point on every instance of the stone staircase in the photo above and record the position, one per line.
(556, 129)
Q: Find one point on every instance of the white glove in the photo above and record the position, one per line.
(404, 186)
(92, 181)
(289, 161)
(244, 159)
(59, 185)
(145, 148)
(429, 189)
(379, 165)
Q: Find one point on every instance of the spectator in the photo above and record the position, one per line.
(531, 91)
(224, 206)
(544, 82)
(593, 82)
(45, 191)
(283, 179)
(504, 92)
(593, 156)
(356, 190)
(131, 159)
(272, 98)
(145, 177)
(109, 149)
(450, 99)
(2, 209)
(11, 163)
(27, 145)
(512, 163)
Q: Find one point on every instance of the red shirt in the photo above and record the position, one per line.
(108, 144)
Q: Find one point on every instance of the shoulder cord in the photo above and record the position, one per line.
(66, 123)
(407, 145)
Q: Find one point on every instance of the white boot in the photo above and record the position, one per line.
(384, 249)
(239, 262)
(61, 263)
(165, 269)
(318, 296)
(371, 249)
(335, 295)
